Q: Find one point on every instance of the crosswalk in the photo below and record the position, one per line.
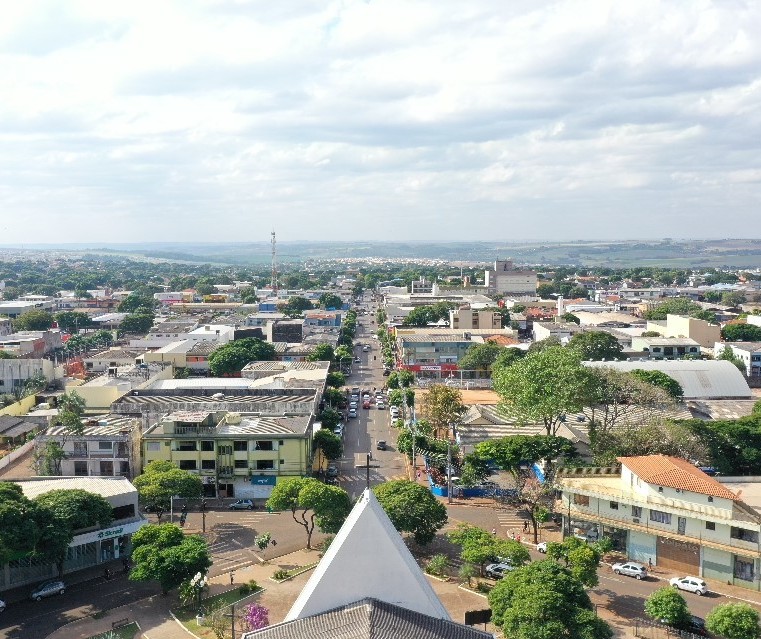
(227, 551)
(511, 522)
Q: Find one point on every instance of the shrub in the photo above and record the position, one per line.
(437, 565)
(280, 574)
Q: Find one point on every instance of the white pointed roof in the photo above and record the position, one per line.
(367, 558)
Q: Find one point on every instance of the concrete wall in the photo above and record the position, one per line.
(19, 408)
(641, 546)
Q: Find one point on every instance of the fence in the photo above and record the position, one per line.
(15, 454)
(652, 630)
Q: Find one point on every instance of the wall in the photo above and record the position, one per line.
(716, 564)
(8, 459)
(701, 331)
(641, 546)
(19, 408)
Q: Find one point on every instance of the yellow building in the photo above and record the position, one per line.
(704, 333)
(236, 455)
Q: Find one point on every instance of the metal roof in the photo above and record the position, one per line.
(700, 379)
(103, 486)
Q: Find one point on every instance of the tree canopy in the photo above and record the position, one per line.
(674, 306)
(317, 504)
(596, 346)
(327, 444)
(441, 406)
(72, 321)
(330, 300)
(739, 333)
(512, 451)
(36, 320)
(137, 323)
(161, 480)
(229, 359)
(666, 605)
(412, 508)
(77, 509)
(322, 353)
(661, 380)
(734, 621)
(480, 356)
(478, 547)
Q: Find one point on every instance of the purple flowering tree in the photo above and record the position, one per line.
(256, 617)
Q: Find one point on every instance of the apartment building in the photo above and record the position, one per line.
(236, 455)
(665, 510)
(468, 319)
(506, 279)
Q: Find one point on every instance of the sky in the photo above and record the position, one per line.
(379, 119)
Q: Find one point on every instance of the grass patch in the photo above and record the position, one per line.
(282, 575)
(123, 632)
(187, 615)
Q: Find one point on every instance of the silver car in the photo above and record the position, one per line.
(630, 569)
(48, 589)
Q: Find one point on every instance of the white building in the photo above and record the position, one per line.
(748, 352)
(666, 347)
(15, 372)
(506, 279)
(665, 510)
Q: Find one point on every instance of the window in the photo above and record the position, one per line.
(187, 446)
(208, 464)
(105, 445)
(152, 447)
(241, 463)
(207, 445)
(240, 447)
(710, 499)
(744, 535)
(263, 445)
(710, 525)
(744, 569)
(581, 500)
(660, 517)
(188, 464)
(80, 468)
(614, 505)
(265, 464)
(636, 511)
(280, 443)
(225, 450)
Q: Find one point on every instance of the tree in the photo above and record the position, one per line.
(596, 346)
(544, 600)
(581, 559)
(134, 301)
(248, 295)
(479, 547)
(229, 359)
(137, 323)
(545, 291)
(571, 318)
(508, 357)
(412, 508)
(334, 397)
(666, 605)
(419, 316)
(734, 621)
(329, 505)
(296, 306)
(255, 617)
(442, 405)
(330, 301)
(71, 408)
(675, 306)
(543, 387)
(728, 355)
(511, 452)
(661, 380)
(733, 298)
(335, 379)
(161, 480)
(36, 320)
(164, 554)
(327, 444)
(739, 333)
(480, 356)
(321, 353)
(72, 321)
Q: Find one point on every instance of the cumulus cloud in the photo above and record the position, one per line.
(398, 119)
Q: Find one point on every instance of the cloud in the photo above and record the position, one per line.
(419, 119)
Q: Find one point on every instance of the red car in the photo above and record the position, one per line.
(366, 404)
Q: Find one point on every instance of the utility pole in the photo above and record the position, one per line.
(449, 470)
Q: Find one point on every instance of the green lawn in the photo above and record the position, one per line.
(187, 616)
(123, 632)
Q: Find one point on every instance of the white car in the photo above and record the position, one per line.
(691, 584)
(2, 605)
(542, 546)
(630, 569)
(497, 571)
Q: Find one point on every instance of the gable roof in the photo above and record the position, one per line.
(369, 619)
(367, 559)
(675, 473)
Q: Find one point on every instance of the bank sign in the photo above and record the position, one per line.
(107, 533)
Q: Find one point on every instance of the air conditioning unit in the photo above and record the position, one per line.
(636, 521)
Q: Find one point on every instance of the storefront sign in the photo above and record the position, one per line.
(107, 533)
(263, 480)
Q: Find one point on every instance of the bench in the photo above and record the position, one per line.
(119, 623)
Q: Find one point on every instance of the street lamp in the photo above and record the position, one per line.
(198, 582)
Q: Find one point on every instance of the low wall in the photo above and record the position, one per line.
(15, 454)
(17, 409)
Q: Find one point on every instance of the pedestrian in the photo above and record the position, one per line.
(649, 563)
(232, 577)
(518, 538)
(107, 574)
(512, 535)
(419, 474)
(525, 525)
(493, 531)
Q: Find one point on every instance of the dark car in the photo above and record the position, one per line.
(695, 626)
(332, 471)
(386, 372)
(381, 445)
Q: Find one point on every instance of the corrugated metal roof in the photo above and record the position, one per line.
(104, 486)
(700, 379)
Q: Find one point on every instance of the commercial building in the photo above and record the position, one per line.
(236, 455)
(89, 547)
(14, 373)
(506, 279)
(665, 510)
(747, 352)
(468, 319)
(16, 308)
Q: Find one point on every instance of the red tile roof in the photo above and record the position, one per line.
(675, 473)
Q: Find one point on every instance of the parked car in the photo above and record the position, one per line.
(497, 571)
(630, 569)
(386, 372)
(366, 348)
(381, 445)
(542, 546)
(2, 605)
(357, 360)
(242, 504)
(352, 413)
(381, 405)
(332, 471)
(691, 584)
(695, 626)
(48, 589)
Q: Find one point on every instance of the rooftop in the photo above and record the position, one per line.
(109, 424)
(103, 486)
(751, 347)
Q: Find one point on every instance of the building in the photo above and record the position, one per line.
(109, 446)
(109, 321)
(16, 308)
(506, 279)
(117, 357)
(561, 331)
(421, 287)
(101, 391)
(747, 352)
(236, 455)
(665, 510)
(14, 373)
(368, 586)
(704, 333)
(88, 547)
(164, 333)
(666, 347)
(289, 331)
(15, 431)
(468, 319)
(318, 318)
(700, 379)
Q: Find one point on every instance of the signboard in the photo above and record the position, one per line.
(472, 617)
(434, 368)
(107, 533)
(430, 368)
(261, 487)
(263, 480)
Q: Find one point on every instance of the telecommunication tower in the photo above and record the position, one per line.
(274, 264)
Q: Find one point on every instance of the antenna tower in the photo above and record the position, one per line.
(274, 264)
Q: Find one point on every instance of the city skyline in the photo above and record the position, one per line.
(418, 120)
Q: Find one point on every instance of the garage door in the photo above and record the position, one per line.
(680, 556)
